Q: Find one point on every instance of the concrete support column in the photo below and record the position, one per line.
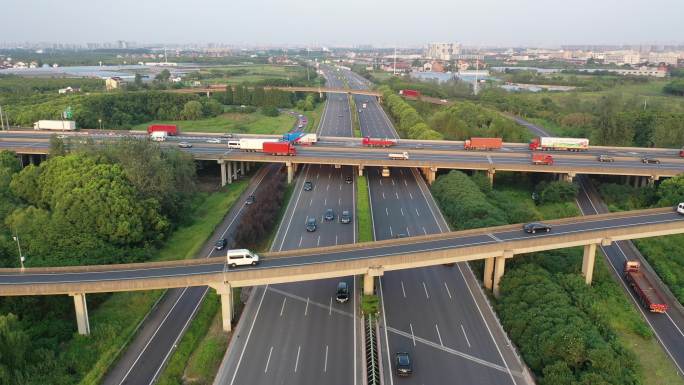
(568, 177)
(588, 262)
(247, 165)
(432, 175)
(490, 176)
(360, 170)
(229, 172)
(81, 313)
(499, 268)
(223, 172)
(368, 284)
(226, 293)
(290, 172)
(235, 169)
(488, 271)
(652, 179)
(242, 168)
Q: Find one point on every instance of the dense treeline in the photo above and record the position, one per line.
(259, 97)
(587, 81)
(675, 87)
(448, 89)
(608, 120)
(260, 217)
(465, 120)
(12, 85)
(409, 122)
(107, 205)
(561, 326)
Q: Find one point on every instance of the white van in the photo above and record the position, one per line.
(234, 144)
(159, 136)
(680, 208)
(240, 257)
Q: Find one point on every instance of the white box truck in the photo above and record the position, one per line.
(254, 144)
(55, 125)
(159, 136)
(399, 156)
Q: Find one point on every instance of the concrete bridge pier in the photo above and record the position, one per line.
(430, 174)
(499, 268)
(490, 176)
(569, 177)
(81, 313)
(226, 293)
(488, 271)
(242, 168)
(653, 179)
(224, 172)
(247, 165)
(369, 280)
(235, 170)
(360, 170)
(588, 259)
(290, 172)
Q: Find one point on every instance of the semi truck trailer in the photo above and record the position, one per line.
(483, 144)
(648, 295)
(547, 143)
(55, 125)
(371, 142)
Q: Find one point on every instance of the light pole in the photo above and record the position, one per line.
(21, 256)
(100, 121)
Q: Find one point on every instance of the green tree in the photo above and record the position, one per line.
(138, 80)
(163, 76)
(192, 110)
(671, 191)
(270, 111)
(14, 346)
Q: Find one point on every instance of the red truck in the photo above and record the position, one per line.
(649, 296)
(542, 159)
(410, 93)
(370, 142)
(170, 129)
(279, 148)
(485, 144)
(681, 152)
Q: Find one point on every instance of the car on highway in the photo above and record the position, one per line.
(329, 215)
(227, 135)
(220, 244)
(250, 199)
(311, 224)
(214, 140)
(650, 160)
(342, 294)
(308, 186)
(185, 145)
(345, 217)
(680, 208)
(536, 227)
(605, 158)
(400, 235)
(348, 179)
(403, 362)
(241, 257)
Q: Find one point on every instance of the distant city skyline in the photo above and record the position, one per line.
(381, 23)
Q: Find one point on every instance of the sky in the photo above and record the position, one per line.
(543, 23)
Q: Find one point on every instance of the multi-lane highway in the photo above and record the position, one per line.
(298, 333)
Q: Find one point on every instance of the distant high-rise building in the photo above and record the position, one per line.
(443, 51)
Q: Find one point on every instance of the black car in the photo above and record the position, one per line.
(220, 244)
(329, 215)
(311, 224)
(400, 235)
(536, 227)
(649, 160)
(605, 158)
(348, 179)
(342, 295)
(404, 367)
(250, 199)
(308, 186)
(345, 217)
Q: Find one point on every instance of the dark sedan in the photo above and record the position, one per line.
(404, 367)
(536, 227)
(649, 160)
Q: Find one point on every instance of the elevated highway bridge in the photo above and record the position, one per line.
(320, 90)
(371, 259)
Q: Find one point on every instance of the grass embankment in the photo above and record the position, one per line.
(254, 123)
(543, 293)
(252, 73)
(363, 213)
(356, 123)
(313, 118)
(115, 321)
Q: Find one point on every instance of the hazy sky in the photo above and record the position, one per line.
(345, 22)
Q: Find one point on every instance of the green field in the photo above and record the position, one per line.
(252, 73)
(254, 123)
(363, 213)
(114, 322)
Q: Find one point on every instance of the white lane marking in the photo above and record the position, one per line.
(494, 237)
(386, 211)
(405, 184)
(393, 184)
(439, 336)
(413, 336)
(354, 323)
(379, 180)
(339, 201)
(402, 289)
(330, 307)
(299, 348)
(408, 232)
(417, 212)
(282, 308)
(426, 292)
(313, 303)
(453, 351)
(335, 240)
(410, 195)
(325, 202)
(402, 211)
(301, 238)
(325, 365)
(310, 202)
(383, 195)
(318, 243)
(248, 335)
(424, 231)
(327, 188)
(268, 360)
(391, 233)
(287, 229)
(447, 289)
(675, 325)
(306, 309)
(397, 194)
(465, 335)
